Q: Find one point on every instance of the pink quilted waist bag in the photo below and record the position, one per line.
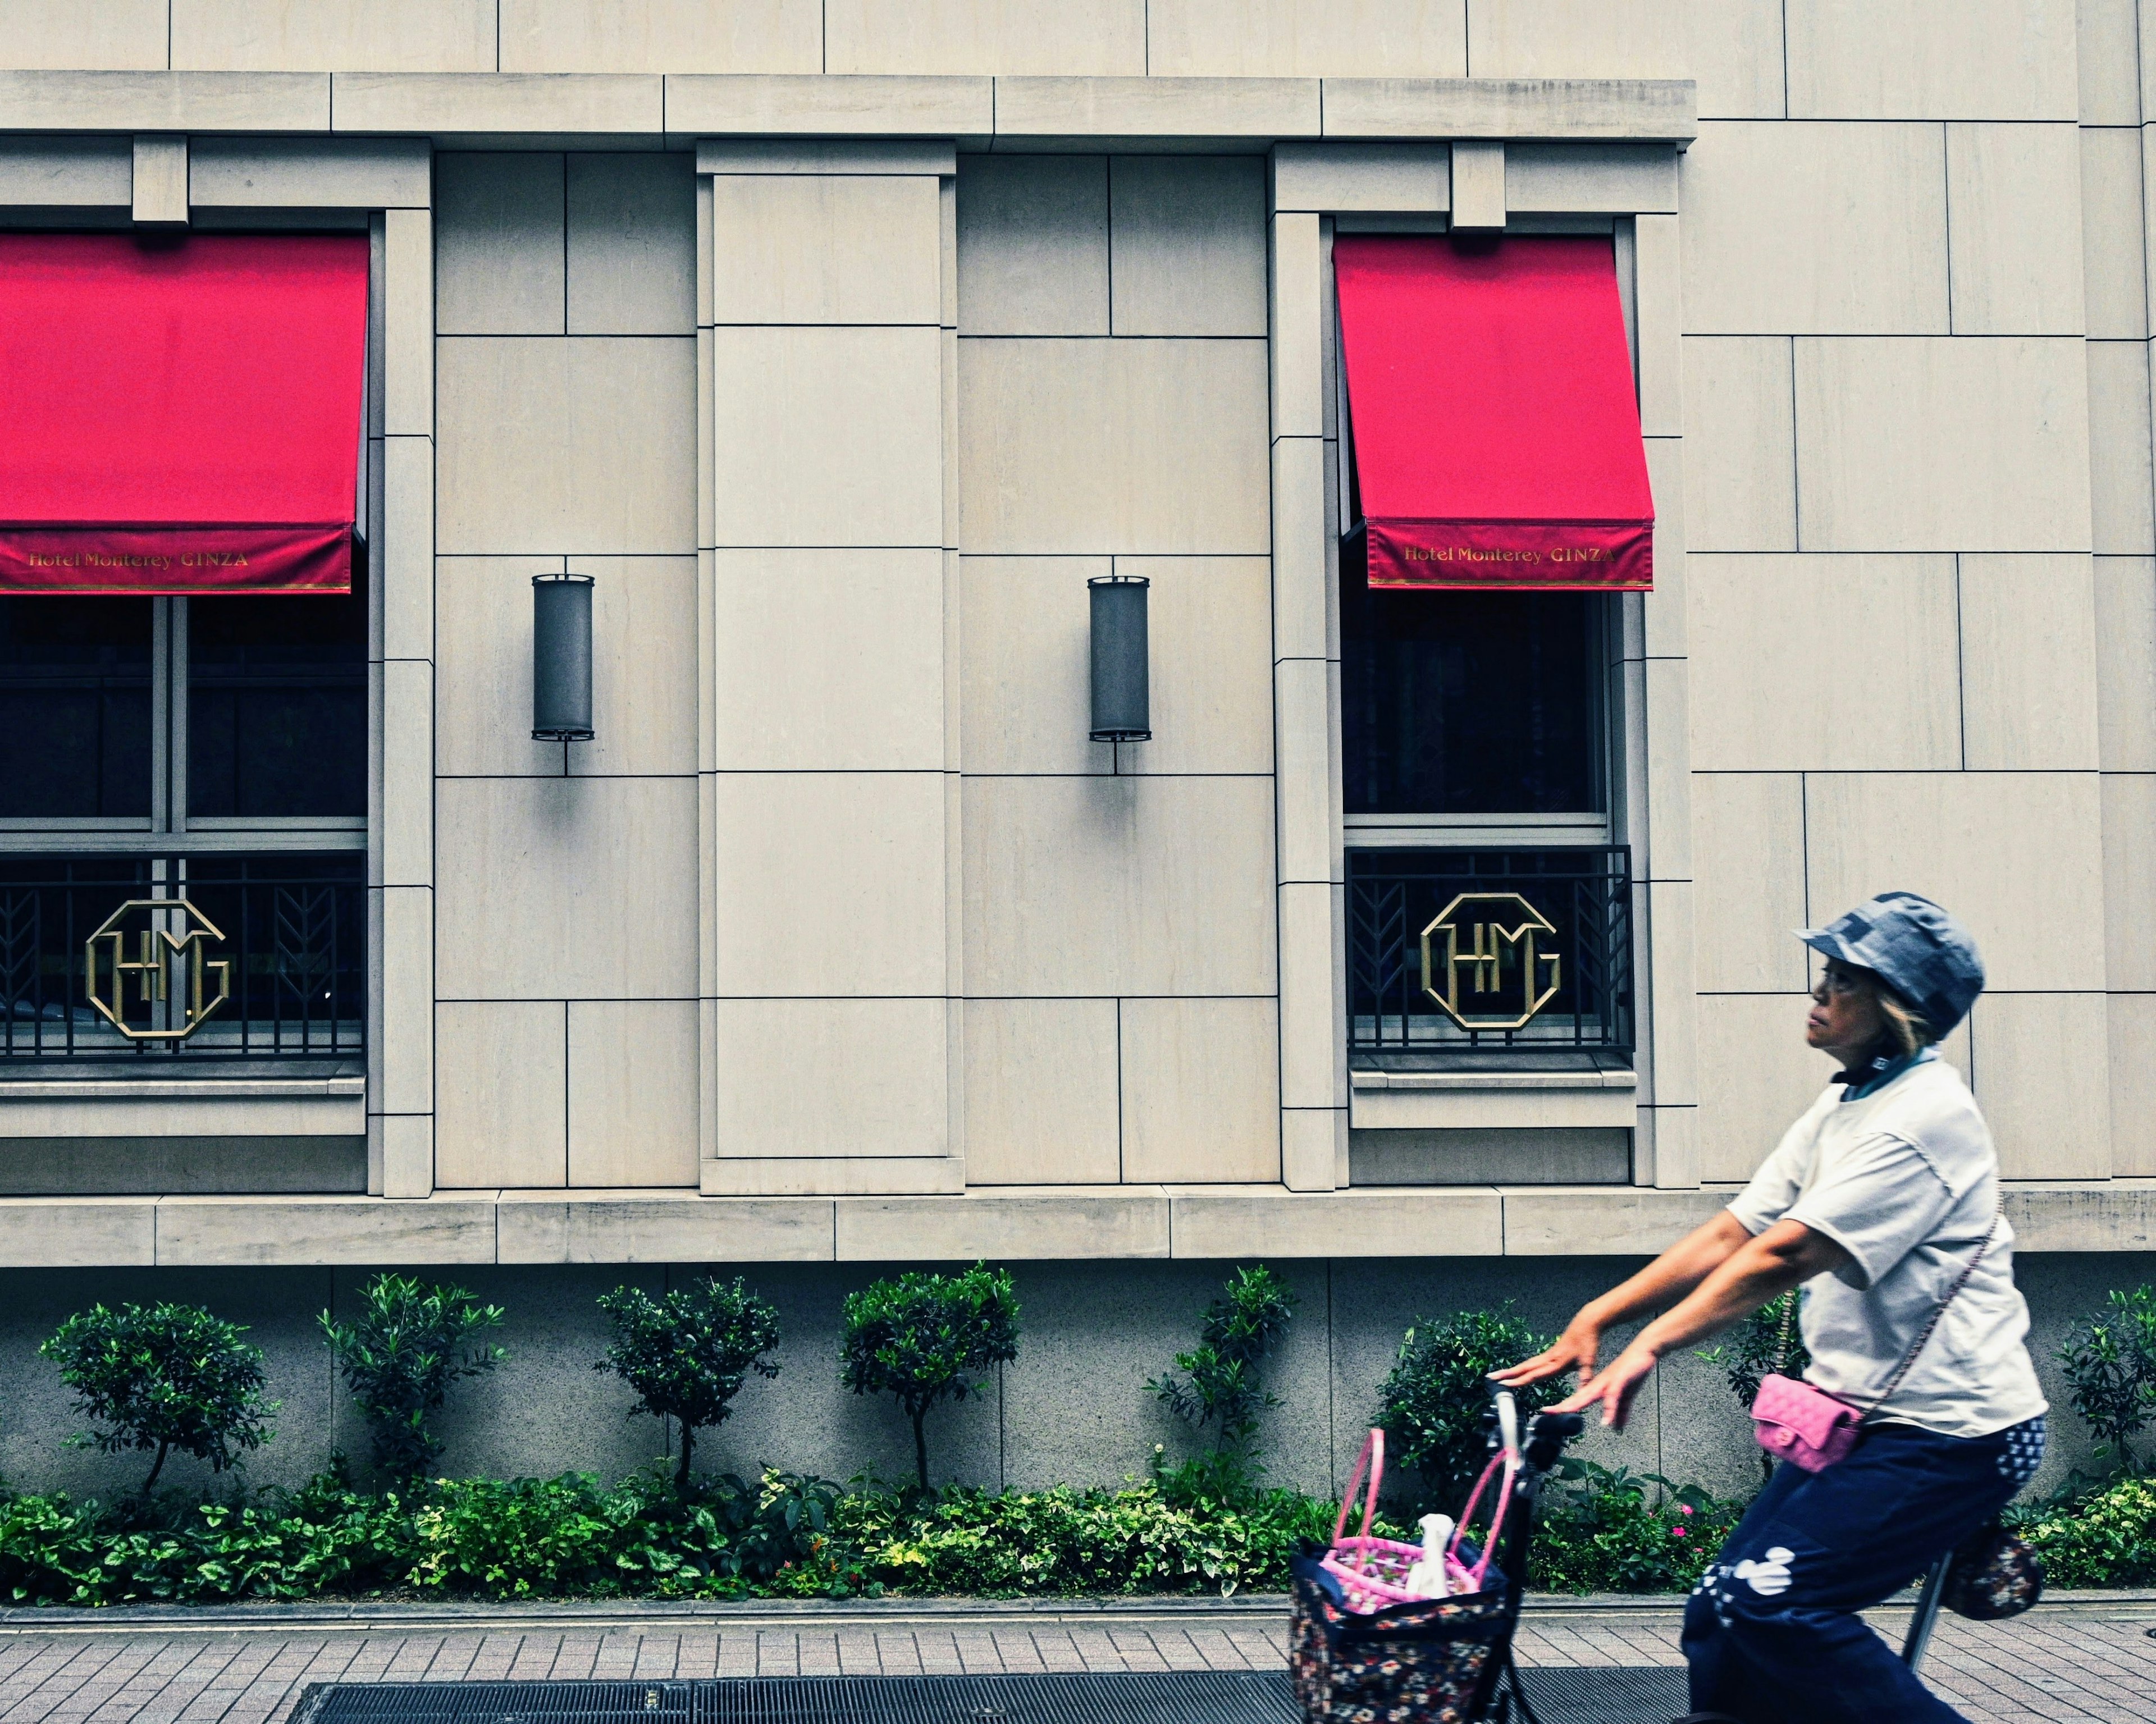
(1805, 1426)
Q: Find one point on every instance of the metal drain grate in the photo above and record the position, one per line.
(1559, 1696)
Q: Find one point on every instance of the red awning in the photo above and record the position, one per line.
(1496, 430)
(181, 416)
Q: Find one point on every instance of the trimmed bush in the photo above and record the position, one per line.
(1432, 1399)
(916, 1338)
(688, 1352)
(164, 1377)
(399, 1357)
(1221, 1391)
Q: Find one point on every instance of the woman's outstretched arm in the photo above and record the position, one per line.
(1661, 1284)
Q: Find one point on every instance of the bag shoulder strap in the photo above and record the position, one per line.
(1938, 1311)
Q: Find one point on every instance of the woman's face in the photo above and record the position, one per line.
(1845, 1017)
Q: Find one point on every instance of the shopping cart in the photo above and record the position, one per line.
(1360, 1651)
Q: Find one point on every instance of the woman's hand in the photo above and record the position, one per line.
(1614, 1386)
(1575, 1351)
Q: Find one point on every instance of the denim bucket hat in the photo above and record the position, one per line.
(1919, 951)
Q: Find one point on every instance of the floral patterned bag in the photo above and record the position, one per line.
(1429, 1662)
(1995, 1575)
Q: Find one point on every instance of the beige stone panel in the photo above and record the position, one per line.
(582, 445)
(496, 104)
(314, 1231)
(1032, 245)
(1135, 447)
(1209, 628)
(1385, 179)
(643, 673)
(1739, 444)
(2029, 663)
(814, 107)
(830, 885)
(407, 1155)
(2126, 662)
(829, 437)
(501, 1094)
(1756, 1075)
(2133, 1028)
(498, 243)
(2044, 1129)
(1026, 1226)
(1942, 445)
(632, 249)
(1305, 714)
(408, 777)
(1604, 1223)
(1301, 386)
(1216, 1223)
(115, 35)
(1773, 657)
(825, 249)
(829, 660)
(1305, 39)
(89, 172)
(1618, 109)
(406, 260)
(654, 1227)
(1576, 39)
(407, 955)
(2129, 882)
(332, 35)
(2082, 1217)
(164, 101)
(662, 36)
(1590, 179)
(1187, 245)
(2017, 856)
(2122, 479)
(825, 1176)
(2016, 234)
(1079, 38)
(1305, 546)
(2114, 251)
(1734, 49)
(1828, 230)
(632, 1092)
(1932, 59)
(1478, 186)
(1025, 702)
(1041, 1086)
(1312, 944)
(826, 1079)
(158, 188)
(1201, 1090)
(577, 887)
(323, 174)
(1069, 108)
(2110, 55)
(1749, 865)
(69, 1232)
(1107, 886)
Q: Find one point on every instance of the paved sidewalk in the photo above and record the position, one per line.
(2085, 1657)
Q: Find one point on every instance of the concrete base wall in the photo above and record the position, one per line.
(1073, 1410)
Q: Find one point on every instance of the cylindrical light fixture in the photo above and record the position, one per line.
(1121, 706)
(561, 658)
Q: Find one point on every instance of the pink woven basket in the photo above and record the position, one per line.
(1372, 1571)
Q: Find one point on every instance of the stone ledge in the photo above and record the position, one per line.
(1100, 1224)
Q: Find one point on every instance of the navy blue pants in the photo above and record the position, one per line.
(1773, 1632)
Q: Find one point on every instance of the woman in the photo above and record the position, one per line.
(1886, 1191)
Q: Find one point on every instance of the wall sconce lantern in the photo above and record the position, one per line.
(561, 658)
(1121, 708)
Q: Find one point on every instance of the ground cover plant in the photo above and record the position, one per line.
(687, 1352)
(400, 1353)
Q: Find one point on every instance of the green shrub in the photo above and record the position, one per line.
(1221, 1391)
(399, 1357)
(1606, 1530)
(2105, 1538)
(164, 1377)
(687, 1354)
(2110, 1365)
(916, 1337)
(1432, 1399)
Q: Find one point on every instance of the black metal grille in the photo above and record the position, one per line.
(1580, 956)
(294, 939)
(1561, 1695)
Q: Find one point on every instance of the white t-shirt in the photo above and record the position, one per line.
(1906, 1180)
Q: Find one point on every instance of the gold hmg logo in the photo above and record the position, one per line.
(1489, 943)
(172, 969)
